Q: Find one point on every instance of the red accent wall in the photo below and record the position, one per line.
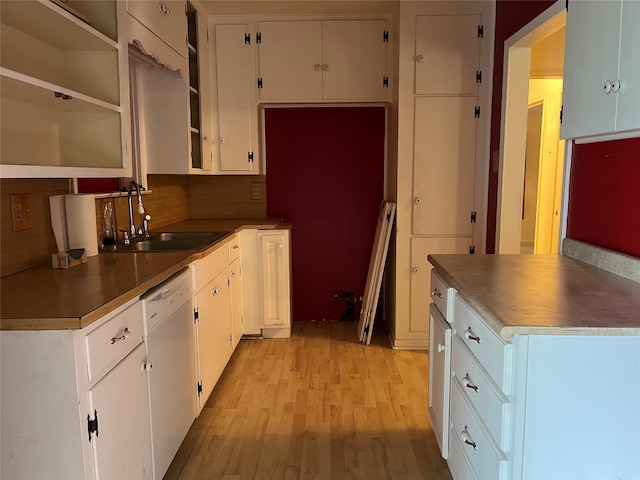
(604, 195)
(325, 174)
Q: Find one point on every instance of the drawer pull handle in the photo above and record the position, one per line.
(125, 334)
(466, 438)
(436, 293)
(468, 333)
(235, 247)
(466, 381)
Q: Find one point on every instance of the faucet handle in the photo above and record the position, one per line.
(125, 237)
(145, 224)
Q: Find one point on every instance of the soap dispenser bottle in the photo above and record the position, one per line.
(108, 227)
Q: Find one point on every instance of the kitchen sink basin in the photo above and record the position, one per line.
(170, 242)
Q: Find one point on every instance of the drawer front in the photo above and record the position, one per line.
(210, 266)
(485, 459)
(113, 340)
(495, 356)
(440, 294)
(439, 377)
(234, 248)
(492, 405)
(458, 462)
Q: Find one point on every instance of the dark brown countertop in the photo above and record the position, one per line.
(43, 298)
(543, 294)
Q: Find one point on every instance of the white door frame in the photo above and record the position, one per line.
(513, 126)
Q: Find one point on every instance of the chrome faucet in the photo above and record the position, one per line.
(132, 227)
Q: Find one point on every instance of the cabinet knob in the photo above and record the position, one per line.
(436, 293)
(441, 348)
(418, 200)
(221, 140)
(415, 270)
(205, 138)
(216, 291)
(616, 86)
(325, 66)
(419, 58)
(607, 87)
(317, 66)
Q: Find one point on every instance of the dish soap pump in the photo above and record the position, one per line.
(108, 227)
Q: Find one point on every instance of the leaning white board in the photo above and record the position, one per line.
(376, 271)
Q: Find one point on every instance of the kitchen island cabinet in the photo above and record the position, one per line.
(546, 353)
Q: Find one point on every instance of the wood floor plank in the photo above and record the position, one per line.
(319, 406)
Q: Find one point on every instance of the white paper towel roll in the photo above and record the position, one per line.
(81, 223)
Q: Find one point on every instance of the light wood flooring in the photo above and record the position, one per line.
(316, 406)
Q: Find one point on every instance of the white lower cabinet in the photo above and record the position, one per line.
(213, 319)
(75, 403)
(526, 409)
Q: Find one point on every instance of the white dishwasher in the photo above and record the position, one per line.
(169, 335)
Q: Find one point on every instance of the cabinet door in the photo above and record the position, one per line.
(444, 165)
(122, 448)
(165, 19)
(590, 60)
(290, 57)
(447, 54)
(354, 59)
(213, 332)
(275, 276)
(236, 105)
(236, 301)
(629, 71)
(421, 274)
(439, 377)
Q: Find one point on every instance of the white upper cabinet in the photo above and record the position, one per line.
(165, 18)
(234, 105)
(63, 90)
(448, 54)
(320, 60)
(601, 70)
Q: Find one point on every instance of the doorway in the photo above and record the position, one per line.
(530, 184)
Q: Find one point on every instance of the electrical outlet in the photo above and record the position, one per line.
(21, 212)
(256, 191)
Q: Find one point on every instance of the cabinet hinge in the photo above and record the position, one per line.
(561, 112)
(196, 317)
(199, 387)
(228, 282)
(250, 157)
(207, 35)
(385, 36)
(476, 112)
(259, 82)
(472, 249)
(247, 39)
(230, 338)
(92, 425)
(258, 38)
(479, 76)
(473, 217)
(242, 318)
(480, 31)
(385, 82)
(566, 5)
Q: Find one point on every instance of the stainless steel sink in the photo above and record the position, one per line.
(170, 242)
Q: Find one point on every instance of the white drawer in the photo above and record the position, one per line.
(458, 462)
(487, 461)
(441, 295)
(113, 340)
(495, 356)
(492, 405)
(210, 266)
(234, 248)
